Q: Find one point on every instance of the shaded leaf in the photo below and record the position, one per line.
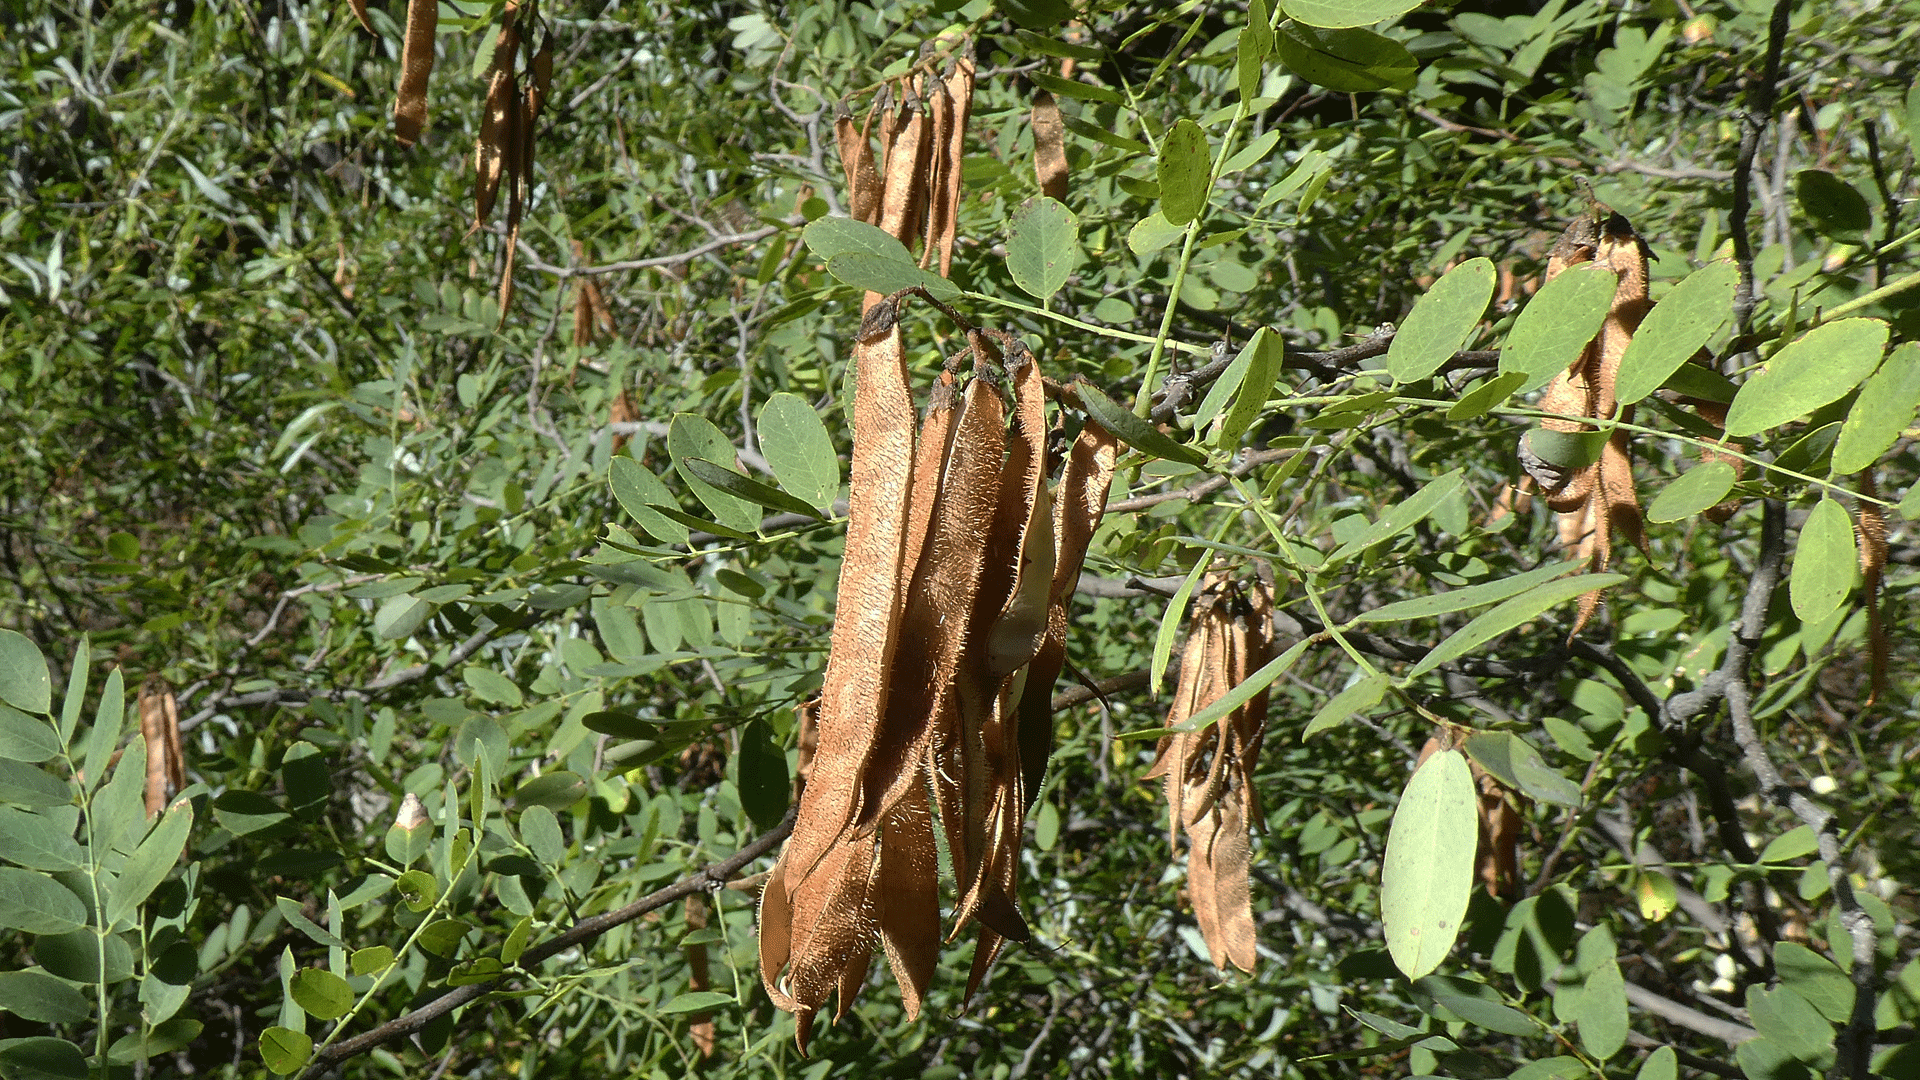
(24, 682)
(1521, 609)
(321, 993)
(1824, 563)
(1337, 14)
(1472, 596)
(1350, 61)
(1132, 430)
(1834, 207)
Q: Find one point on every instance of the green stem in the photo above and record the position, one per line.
(1891, 288)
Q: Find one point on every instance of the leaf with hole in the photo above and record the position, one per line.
(1043, 247)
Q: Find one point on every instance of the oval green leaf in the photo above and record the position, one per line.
(150, 863)
(34, 995)
(1338, 14)
(26, 739)
(764, 785)
(36, 904)
(884, 274)
(693, 436)
(37, 842)
(549, 792)
(1824, 564)
(1697, 489)
(399, 616)
(42, 1057)
(1185, 172)
(1602, 1015)
(1427, 874)
(1676, 328)
(1558, 323)
(24, 683)
(1885, 408)
(799, 450)
(284, 1050)
(697, 1001)
(1348, 61)
(830, 236)
(1486, 395)
(1515, 763)
(1820, 367)
(1043, 247)
(321, 993)
(1440, 321)
(1833, 205)
(1357, 698)
(638, 491)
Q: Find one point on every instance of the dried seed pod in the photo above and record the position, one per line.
(160, 729)
(1871, 525)
(1049, 146)
(700, 976)
(856, 160)
(905, 195)
(416, 67)
(360, 12)
(940, 164)
(959, 87)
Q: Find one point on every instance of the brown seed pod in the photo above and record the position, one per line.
(1049, 146)
(416, 67)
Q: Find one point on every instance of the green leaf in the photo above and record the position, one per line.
(1835, 208)
(1676, 328)
(1267, 354)
(37, 904)
(746, 487)
(1346, 61)
(1815, 978)
(1820, 367)
(1401, 516)
(1480, 1012)
(697, 1001)
(764, 785)
(150, 863)
(1521, 609)
(638, 491)
(1240, 694)
(165, 1038)
(417, 888)
(1251, 154)
(1338, 14)
(1699, 488)
(882, 274)
(551, 791)
(1185, 172)
(321, 993)
(284, 1050)
(109, 717)
(41, 1058)
(540, 829)
(1487, 395)
(370, 961)
(693, 436)
(1153, 232)
(1472, 596)
(1043, 247)
(24, 682)
(1700, 381)
(296, 918)
(1440, 321)
(1796, 843)
(1602, 1015)
(1359, 697)
(1556, 325)
(76, 686)
(1514, 762)
(799, 449)
(1662, 1064)
(443, 937)
(38, 841)
(34, 995)
(1170, 623)
(489, 685)
(830, 236)
(25, 738)
(1427, 873)
(399, 616)
(1885, 408)
(1788, 1019)
(1567, 449)
(1132, 430)
(407, 846)
(29, 785)
(1823, 566)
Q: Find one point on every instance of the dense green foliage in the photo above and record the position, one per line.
(275, 452)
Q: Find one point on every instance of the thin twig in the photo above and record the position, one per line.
(1760, 99)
